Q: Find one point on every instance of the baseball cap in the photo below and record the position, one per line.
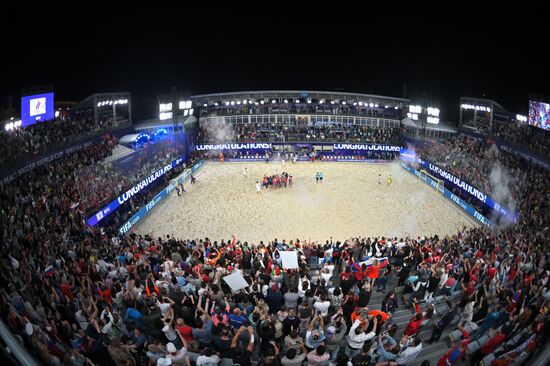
(164, 361)
(171, 348)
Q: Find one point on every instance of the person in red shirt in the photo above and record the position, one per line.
(493, 343)
(414, 324)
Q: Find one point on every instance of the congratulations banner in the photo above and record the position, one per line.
(111, 207)
(366, 147)
(465, 187)
(249, 146)
(466, 207)
(149, 206)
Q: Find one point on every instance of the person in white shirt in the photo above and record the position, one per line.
(357, 337)
(208, 358)
(258, 187)
(322, 305)
(409, 354)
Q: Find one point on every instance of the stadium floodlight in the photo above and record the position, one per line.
(99, 104)
(56, 114)
(321, 101)
(272, 101)
(432, 120)
(308, 100)
(216, 104)
(166, 107)
(332, 102)
(395, 107)
(226, 103)
(185, 112)
(256, 103)
(245, 101)
(371, 105)
(205, 105)
(386, 106)
(262, 102)
(191, 111)
(232, 102)
(165, 115)
(361, 104)
(250, 101)
(238, 102)
(521, 118)
(354, 103)
(376, 106)
(414, 117)
(344, 102)
(286, 101)
(488, 109)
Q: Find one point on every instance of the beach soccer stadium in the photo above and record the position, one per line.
(275, 228)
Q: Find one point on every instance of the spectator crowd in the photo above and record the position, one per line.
(77, 295)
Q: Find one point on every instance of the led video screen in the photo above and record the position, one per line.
(539, 114)
(37, 108)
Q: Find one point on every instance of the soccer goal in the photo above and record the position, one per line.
(437, 184)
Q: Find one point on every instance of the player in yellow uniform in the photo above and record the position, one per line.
(389, 180)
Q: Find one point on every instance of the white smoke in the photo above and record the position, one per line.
(220, 132)
(501, 183)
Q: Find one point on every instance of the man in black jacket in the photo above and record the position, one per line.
(443, 323)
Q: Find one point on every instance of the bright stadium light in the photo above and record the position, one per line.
(521, 118)
(395, 107)
(216, 104)
(376, 106)
(205, 105)
(344, 102)
(321, 101)
(256, 103)
(56, 114)
(286, 101)
(354, 103)
(308, 100)
(238, 102)
(371, 105)
(297, 100)
(165, 115)
(99, 104)
(232, 102)
(185, 112)
(262, 102)
(332, 102)
(432, 120)
(166, 107)
(273, 101)
(245, 101)
(386, 106)
(191, 111)
(361, 104)
(226, 103)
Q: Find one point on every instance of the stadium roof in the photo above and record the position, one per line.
(332, 95)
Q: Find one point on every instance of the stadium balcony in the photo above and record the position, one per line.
(25, 144)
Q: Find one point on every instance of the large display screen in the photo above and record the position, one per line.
(539, 114)
(37, 108)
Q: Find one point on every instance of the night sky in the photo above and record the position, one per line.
(446, 52)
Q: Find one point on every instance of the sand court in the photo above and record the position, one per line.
(348, 203)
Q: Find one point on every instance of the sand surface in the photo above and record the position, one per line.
(349, 203)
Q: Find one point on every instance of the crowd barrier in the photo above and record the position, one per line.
(144, 210)
(449, 195)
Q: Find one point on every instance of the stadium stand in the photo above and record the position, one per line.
(79, 295)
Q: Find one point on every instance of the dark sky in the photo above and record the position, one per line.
(447, 52)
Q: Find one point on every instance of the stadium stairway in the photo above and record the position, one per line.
(431, 352)
(119, 152)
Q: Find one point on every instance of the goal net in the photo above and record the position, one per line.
(437, 184)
